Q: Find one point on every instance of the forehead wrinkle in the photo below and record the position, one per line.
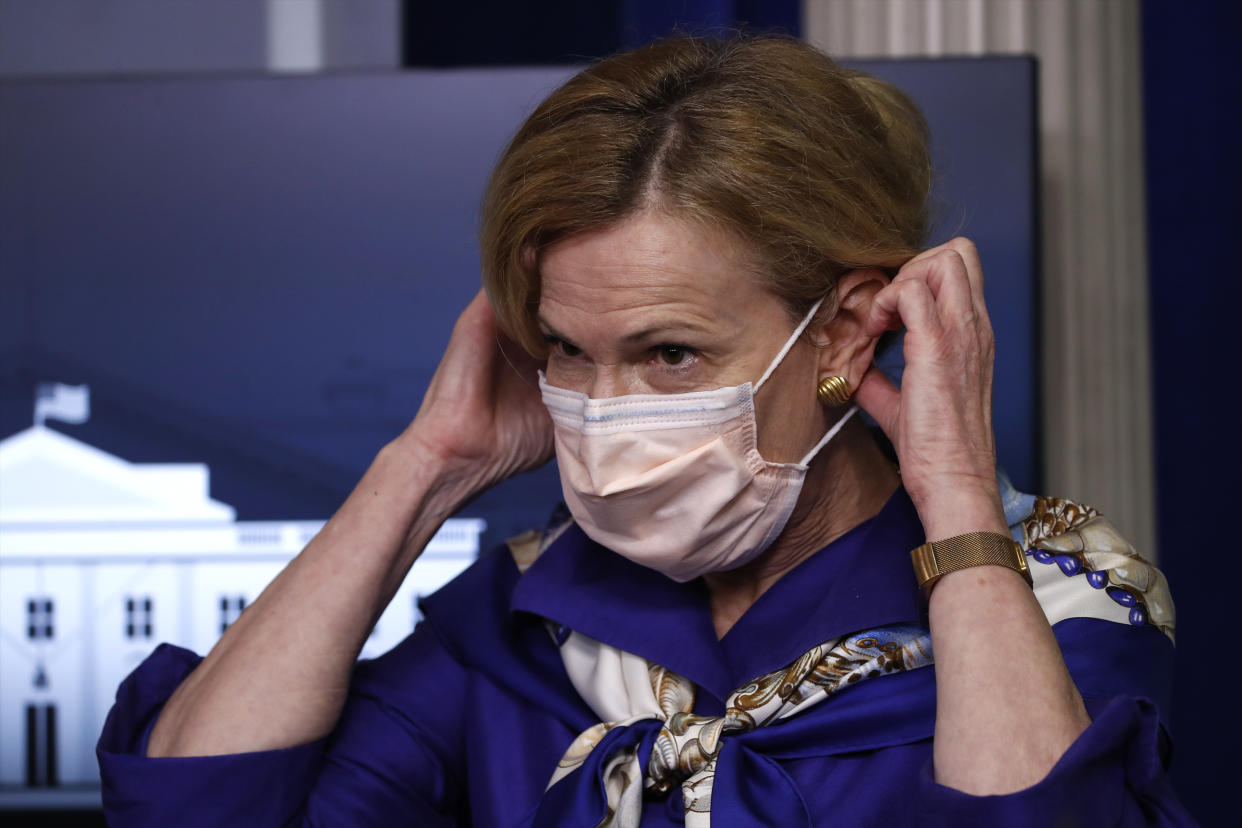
(658, 271)
(627, 285)
(656, 321)
(660, 302)
(652, 304)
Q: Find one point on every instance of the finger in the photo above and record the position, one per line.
(946, 277)
(909, 302)
(479, 328)
(969, 254)
(471, 365)
(477, 320)
(974, 267)
(881, 399)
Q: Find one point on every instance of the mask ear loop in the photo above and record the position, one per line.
(789, 343)
(832, 432)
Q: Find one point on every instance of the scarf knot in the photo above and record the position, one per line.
(686, 749)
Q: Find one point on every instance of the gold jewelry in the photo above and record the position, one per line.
(833, 390)
(933, 560)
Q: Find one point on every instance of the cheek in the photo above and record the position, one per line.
(787, 433)
(789, 417)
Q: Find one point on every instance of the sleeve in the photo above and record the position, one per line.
(1114, 620)
(1112, 775)
(395, 756)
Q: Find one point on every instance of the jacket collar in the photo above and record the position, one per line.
(862, 579)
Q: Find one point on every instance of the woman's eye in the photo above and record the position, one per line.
(674, 354)
(562, 347)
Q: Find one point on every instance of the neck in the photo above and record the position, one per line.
(848, 483)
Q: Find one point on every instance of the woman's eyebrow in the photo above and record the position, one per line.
(641, 335)
(680, 326)
(649, 333)
(548, 330)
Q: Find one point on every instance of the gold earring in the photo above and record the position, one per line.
(833, 390)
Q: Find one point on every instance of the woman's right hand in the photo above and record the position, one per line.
(482, 416)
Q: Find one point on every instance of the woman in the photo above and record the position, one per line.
(698, 245)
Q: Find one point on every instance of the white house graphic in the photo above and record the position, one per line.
(102, 559)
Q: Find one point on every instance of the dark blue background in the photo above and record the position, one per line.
(1192, 88)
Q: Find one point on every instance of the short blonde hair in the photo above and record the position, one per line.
(817, 168)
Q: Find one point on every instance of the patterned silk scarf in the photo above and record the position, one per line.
(625, 689)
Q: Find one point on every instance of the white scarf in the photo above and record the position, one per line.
(623, 688)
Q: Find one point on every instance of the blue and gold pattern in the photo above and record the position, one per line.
(1079, 543)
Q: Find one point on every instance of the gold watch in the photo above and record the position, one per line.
(933, 560)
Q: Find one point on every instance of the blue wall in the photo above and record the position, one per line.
(1192, 88)
(569, 31)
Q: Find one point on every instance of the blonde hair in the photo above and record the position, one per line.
(817, 168)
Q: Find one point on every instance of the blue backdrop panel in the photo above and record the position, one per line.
(985, 151)
(260, 273)
(1191, 86)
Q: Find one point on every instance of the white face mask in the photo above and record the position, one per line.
(675, 481)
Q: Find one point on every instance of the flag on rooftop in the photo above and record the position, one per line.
(57, 401)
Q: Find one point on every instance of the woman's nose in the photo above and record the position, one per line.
(608, 381)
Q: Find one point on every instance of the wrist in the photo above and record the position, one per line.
(414, 487)
(933, 561)
(949, 512)
(446, 480)
(986, 594)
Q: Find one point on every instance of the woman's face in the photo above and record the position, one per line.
(657, 305)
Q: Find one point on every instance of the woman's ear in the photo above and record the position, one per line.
(847, 349)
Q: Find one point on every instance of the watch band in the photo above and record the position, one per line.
(934, 560)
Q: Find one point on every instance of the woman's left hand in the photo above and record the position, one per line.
(940, 420)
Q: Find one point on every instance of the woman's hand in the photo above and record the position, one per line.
(940, 421)
(482, 415)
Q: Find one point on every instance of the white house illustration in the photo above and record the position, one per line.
(102, 559)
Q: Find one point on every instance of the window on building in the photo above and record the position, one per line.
(231, 607)
(41, 746)
(40, 618)
(138, 617)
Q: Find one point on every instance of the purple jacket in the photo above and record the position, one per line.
(464, 721)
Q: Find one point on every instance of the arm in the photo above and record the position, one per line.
(386, 763)
(280, 675)
(1006, 706)
(940, 423)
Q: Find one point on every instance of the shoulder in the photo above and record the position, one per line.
(1108, 605)
(491, 578)
(473, 618)
(1082, 566)
(475, 604)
